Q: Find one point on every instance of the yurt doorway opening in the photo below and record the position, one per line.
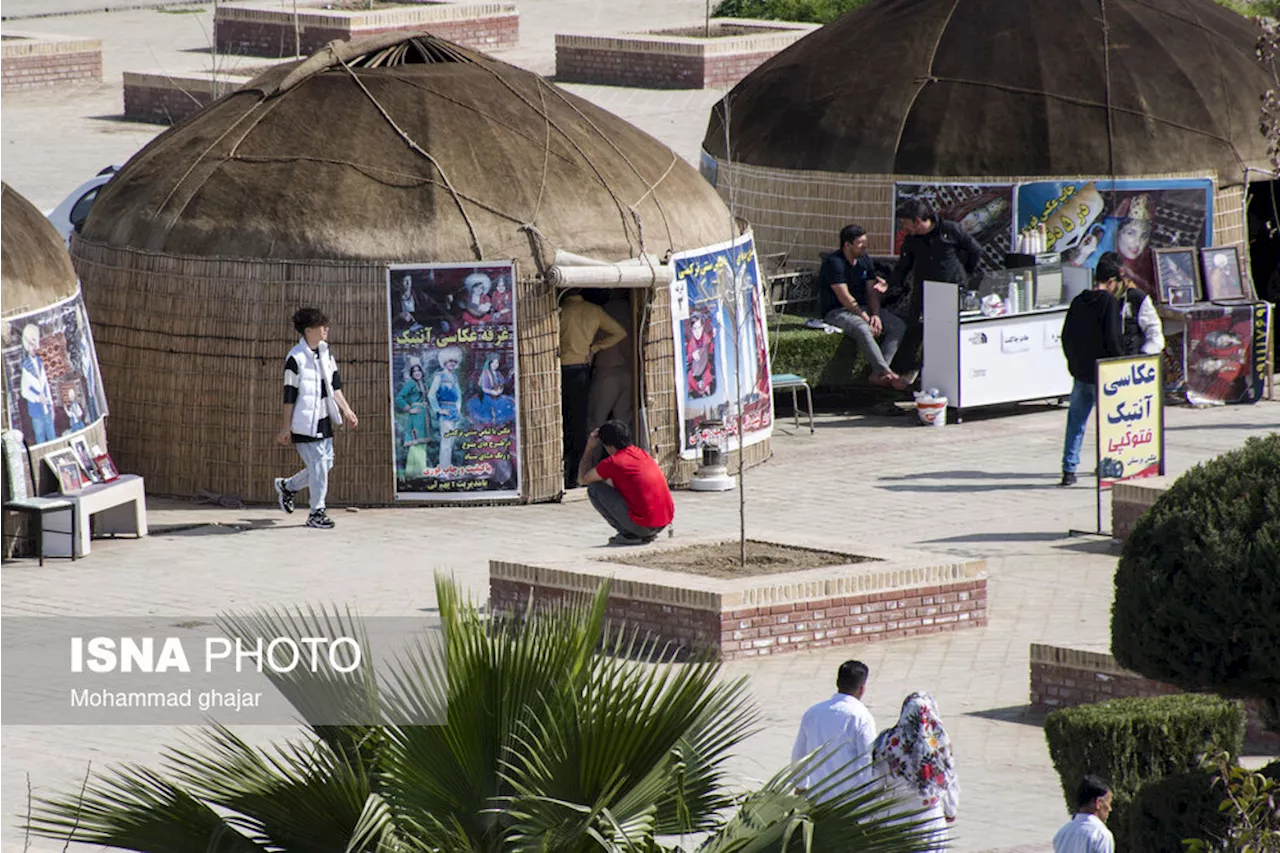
(1263, 220)
(608, 387)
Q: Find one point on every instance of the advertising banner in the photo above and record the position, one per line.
(722, 349)
(1090, 216)
(984, 211)
(1225, 353)
(1130, 419)
(454, 389)
(52, 380)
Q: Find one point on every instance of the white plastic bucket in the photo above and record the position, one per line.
(932, 411)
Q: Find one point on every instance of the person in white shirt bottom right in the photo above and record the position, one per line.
(843, 726)
(1087, 831)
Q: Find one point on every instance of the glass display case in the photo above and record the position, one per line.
(1045, 287)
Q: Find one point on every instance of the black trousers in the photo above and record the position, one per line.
(908, 356)
(575, 391)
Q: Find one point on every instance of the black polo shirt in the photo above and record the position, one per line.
(836, 269)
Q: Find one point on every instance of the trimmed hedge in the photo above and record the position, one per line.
(1169, 810)
(1198, 584)
(826, 360)
(811, 11)
(1136, 741)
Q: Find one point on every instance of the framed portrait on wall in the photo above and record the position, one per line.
(1223, 276)
(1177, 276)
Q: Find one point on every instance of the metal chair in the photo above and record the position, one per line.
(35, 509)
(784, 381)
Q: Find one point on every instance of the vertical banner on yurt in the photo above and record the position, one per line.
(1090, 216)
(51, 372)
(454, 397)
(983, 211)
(722, 348)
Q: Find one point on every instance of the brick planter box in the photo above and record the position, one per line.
(675, 59)
(1129, 500)
(267, 30)
(32, 61)
(163, 97)
(1063, 678)
(896, 594)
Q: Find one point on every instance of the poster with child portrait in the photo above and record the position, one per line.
(721, 343)
(454, 382)
(52, 383)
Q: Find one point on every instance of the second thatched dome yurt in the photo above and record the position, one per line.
(301, 188)
(52, 391)
(988, 92)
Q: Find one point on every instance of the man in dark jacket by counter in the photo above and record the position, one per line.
(1092, 330)
(933, 250)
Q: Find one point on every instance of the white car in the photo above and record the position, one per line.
(74, 209)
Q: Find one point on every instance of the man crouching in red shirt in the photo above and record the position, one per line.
(627, 487)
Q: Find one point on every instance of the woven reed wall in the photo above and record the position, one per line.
(660, 397)
(192, 354)
(803, 212)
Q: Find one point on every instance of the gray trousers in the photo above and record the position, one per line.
(878, 353)
(610, 392)
(318, 457)
(609, 503)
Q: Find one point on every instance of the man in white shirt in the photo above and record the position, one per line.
(1087, 832)
(845, 728)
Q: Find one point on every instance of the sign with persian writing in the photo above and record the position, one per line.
(1130, 419)
(454, 394)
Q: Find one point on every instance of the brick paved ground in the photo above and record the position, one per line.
(985, 488)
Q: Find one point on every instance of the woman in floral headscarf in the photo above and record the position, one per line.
(914, 760)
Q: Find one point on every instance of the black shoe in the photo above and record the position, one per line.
(284, 495)
(628, 539)
(1068, 478)
(320, 519)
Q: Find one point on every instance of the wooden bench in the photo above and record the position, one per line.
(117, 507)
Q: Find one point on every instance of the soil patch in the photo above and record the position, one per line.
(722, 559)
(717, 31)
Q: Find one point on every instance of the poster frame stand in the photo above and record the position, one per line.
(1158, 399)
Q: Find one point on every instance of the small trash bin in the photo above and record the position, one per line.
(931, 409)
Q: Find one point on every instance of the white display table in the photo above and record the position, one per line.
(982, 361)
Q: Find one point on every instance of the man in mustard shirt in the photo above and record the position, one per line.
(585, 329)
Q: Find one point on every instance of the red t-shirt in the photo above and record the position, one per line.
(642, 485)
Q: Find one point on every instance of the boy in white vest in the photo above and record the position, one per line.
(313, 404)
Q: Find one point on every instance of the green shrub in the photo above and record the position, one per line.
(1131, 742)
(826, 360)
(812, 11)
(1197, 587)
(1168, 811)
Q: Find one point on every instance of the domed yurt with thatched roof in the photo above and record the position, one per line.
(52, 392)
(422, 196)
(964, 102)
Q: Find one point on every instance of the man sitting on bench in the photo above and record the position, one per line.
(849, 289)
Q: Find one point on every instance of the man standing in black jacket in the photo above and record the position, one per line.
(933, 250)
(1091, 331)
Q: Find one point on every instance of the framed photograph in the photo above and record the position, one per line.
(66, 470)
(1223, 275)
(1177, 276)
(80, 447)
(106, 468)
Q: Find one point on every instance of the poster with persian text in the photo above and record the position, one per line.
(454, 386)
(52, 382)
(1225, 353)
(1087, 217)
(1130, 419)
(721, 344)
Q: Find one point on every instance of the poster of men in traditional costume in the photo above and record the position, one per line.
(454, 388)
(52, 382)
(722, 348)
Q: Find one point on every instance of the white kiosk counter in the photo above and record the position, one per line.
(977, 360)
